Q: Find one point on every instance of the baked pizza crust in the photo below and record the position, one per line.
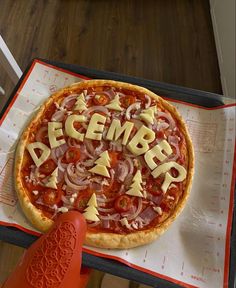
(103, 239)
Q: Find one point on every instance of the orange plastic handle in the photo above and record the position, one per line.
(54, 260)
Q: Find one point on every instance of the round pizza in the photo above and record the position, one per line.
(116, 152)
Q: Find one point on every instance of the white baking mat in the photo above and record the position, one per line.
(194, 252)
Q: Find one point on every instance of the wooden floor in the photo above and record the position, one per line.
(164, 40)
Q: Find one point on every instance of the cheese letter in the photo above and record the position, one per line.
(54, 131)
(70, 129)
(116, 130)
(156, 152)
(43, 157)
(139, 144)
(95, 129)
(164, 168)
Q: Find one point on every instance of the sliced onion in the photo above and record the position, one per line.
(100, 148)
(110, 93)
(114, 217)
(96, 108)
(136, 213)
(162, 126)
(61, 166)
(89, 146)
(168, 117)
(65, 200)
(105, 200)
(137, 123)
(72, 185)
(88, 163)
(134, 106)
(122, 170)
(72, 142)
(95, 186)
(58, 116)
(130, 163)
(66, 102)
(73, 176)
(149, 101)
(173, 140)
(106, 210)
(154, 199)
(56, 153)
(40, 133)
(93, 224)
(85, 153)
(70, 191)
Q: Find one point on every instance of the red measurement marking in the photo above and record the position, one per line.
(197, 278)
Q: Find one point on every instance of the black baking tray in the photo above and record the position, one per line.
(206, 99)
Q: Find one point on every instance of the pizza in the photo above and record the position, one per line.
(116, 152)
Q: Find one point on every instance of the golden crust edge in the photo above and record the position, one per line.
(103, 240)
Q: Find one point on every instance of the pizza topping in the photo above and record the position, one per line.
(115, 104)
(134, 106)
(164, 168)
(52, 182)
(148, 115)
(124, 222)
(156, 152)
(158, 210)
(96, 126)
(167, 117)
(71, 130)
(139, 144)
(35, 192)
(62, 209)
(80, 103)
(127, 101)
(45, 152)
(52, 196)
(72, 155)
(47, 167)
(101, 99)
(122, 203)
(101, 165)
(91, 212)
(136, 188)
(116, 130)
(58, 116)
(54, 132)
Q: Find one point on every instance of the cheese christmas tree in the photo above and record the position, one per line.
(91, 211)
(136, 188)
(52, 181)
(115, 104)
(101, 165)
(148, 115)
(80, 103)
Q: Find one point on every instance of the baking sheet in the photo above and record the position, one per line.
(192, 251)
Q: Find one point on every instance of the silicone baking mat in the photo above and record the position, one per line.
(194, 252)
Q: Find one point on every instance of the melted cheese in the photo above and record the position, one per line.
(70, 129)
(55, 131)
(52, 182)
(80, 104)
(148, 115)
(115, 104)
(139, 144)
(136, 188)
(100, 170)
(124, 222)
(43, 157)
(95, 127)
(156, 152)
(91, 211)
(164, 168)
(104, 159)
(116, 130)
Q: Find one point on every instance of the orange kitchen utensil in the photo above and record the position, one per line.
(54, 260)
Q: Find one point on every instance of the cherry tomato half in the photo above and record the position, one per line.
(114, 158)
(47, 167)
(52, 196)
(128, 100)
(100, 99)
(72, 155)
(154, 187)
(122, 203)
(81, 201)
